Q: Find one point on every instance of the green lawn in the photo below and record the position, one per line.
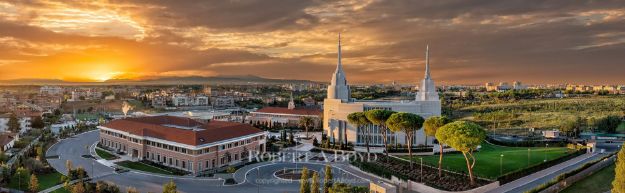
(45, 181)
(599, 182)
(104, 154)
(488, 158)
(143, 167)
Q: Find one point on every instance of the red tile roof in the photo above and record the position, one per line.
(165, 128)
(296, 111)
(6, 138)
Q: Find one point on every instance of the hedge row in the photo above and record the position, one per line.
(527, 143)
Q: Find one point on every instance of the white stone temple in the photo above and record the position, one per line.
(338, 105)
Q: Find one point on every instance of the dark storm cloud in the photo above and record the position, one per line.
(543, 41)
(232, 14)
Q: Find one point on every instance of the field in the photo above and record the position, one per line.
(599, 182)
(488, 159)
(542, 113)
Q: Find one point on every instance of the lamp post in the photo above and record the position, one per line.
(545, 152)
(258, 176)
(421, 168)
(529, 150)
(501, 165)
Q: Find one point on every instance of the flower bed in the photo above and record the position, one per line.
(387, 167)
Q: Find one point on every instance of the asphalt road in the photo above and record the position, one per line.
(253, 178)
(536, 179)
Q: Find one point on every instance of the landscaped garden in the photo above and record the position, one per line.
(143, 167)
(104, 154)
(387, 167)
(599, 182)
(489, 157)
(152, 167)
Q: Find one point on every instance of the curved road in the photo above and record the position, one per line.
(255, 178)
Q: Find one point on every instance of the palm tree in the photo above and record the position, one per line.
(306, 122)
(407, 123)
(431, 125)
(379, 117)
(360, 121)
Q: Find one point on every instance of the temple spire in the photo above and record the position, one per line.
(338, 88)
(427, 62)
(339, 66)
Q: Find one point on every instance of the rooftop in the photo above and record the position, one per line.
(182, 130)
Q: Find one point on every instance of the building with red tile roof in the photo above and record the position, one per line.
(183, 143)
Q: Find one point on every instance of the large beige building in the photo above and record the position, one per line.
(183, 143)
(338, 105)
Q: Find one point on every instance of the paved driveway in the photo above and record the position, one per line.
(256, 180)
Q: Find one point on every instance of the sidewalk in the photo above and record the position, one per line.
(537, 178)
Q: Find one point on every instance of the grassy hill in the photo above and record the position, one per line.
(543, 113)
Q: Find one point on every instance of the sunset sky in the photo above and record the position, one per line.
(471, 41)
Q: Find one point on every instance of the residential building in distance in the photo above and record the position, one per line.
(51, 90)
(222, 101)
(338, 105)
(7, 140)
(502, 86)
(183, 143)
(280, 116)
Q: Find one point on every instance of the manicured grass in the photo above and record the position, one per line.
(599, 182)
(104, 154)
(143, 167)
(487, 159)
(45, 181)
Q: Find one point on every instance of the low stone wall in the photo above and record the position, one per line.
(422, 188)
(579, 176)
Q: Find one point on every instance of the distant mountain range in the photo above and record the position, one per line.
(214, 80)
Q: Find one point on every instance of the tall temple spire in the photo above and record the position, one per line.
(427, 90)
(339, 66)
(427, 62)
(338, 88)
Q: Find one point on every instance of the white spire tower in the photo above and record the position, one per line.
(291, 102)
(338, 88)
(427, 91)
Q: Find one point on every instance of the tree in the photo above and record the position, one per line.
(327, 179)
(37, 122)
(34, 183)
(465, 137)
(13, 124)
(22, 176)
(378, 117)
(304, 183)
(306, 122)
(131, 190)
(40, 154)
(78, 188)
(170, 187)
(359, 119)
(407, 123)
(618, 185)
(68, 165)
(431, 126)
(314, 188)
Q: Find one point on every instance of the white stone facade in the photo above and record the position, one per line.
(336, 108)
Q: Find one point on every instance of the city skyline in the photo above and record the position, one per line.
(470, 42)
